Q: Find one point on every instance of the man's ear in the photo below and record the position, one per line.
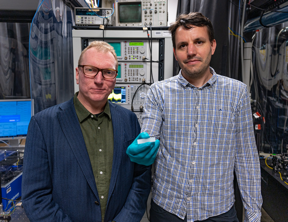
(77, 75)
(213, 46)
(174, 52)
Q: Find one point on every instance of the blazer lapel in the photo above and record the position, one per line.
(119, 139)
(70, 125)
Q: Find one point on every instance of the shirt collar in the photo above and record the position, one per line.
(83, 113)
(210, 82)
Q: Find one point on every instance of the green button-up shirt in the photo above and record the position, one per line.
(97, 131)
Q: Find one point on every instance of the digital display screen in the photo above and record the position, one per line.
(14, 118)
(130, 12)
(119, 72)
(118, 95)
(86, 11)
(136, 66)
(136, 43)
(117, 47)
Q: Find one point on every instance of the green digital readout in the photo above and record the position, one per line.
(136, 66)
(136, 43)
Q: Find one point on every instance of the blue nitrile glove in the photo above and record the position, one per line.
(144, 153)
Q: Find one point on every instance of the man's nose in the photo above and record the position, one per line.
(191, 49)
(99, 77)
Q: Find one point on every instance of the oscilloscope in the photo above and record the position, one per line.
(141, 13)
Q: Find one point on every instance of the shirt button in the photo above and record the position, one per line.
(100, 150)
(98, 127)
(102, 197)
(196, 125)
(193, 162)
(190, 181)
(91, 116)
(195, 143)
(188, 198)
(101, 172)
(197, 107)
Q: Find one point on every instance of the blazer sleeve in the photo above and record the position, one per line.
(37, 182)
(136, 201)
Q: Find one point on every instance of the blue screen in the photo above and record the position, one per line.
(118, 95)
(14, 118)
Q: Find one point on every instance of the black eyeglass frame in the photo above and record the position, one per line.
(82, 66)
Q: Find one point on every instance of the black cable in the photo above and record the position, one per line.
(148, 38)
(150, 49)
(142, 84)
(103, 28)
(107, 21)
(260, 20)
(132, 108)
(151, 73)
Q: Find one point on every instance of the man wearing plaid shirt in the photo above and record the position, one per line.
(204, 123)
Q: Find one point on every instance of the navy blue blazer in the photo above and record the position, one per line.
(58, 182)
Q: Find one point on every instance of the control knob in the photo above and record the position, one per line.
(141, 72)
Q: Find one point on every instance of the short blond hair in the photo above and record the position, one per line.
(100, 46)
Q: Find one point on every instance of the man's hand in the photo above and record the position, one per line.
(144, 153)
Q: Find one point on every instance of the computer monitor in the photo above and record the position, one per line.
(15, 117)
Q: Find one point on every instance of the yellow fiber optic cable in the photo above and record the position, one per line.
(267, 164)
(282, 179)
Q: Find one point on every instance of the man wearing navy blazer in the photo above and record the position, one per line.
(75, 162)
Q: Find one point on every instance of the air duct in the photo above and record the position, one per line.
(268, 19)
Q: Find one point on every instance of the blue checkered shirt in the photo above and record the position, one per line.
(205, 135)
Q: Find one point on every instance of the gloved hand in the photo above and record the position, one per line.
(144, 153)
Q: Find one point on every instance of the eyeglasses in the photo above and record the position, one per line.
(92, 71)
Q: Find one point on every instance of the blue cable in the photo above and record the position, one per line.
(238, 34)
(29, 47)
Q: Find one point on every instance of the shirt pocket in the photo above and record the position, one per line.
(222, 124)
